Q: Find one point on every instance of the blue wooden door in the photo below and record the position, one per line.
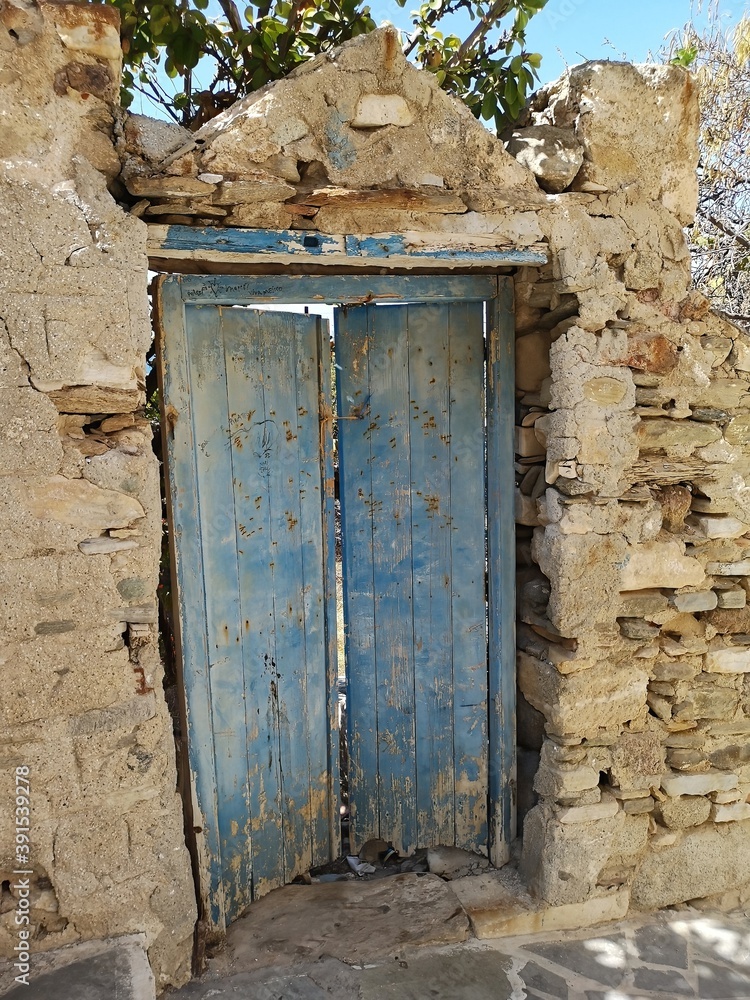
(251, 504)
(412, 448)
(425, 419)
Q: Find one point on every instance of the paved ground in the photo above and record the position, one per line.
(117, 969)
(682, 954)
(669, 956)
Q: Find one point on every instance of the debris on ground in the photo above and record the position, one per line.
(378, 859)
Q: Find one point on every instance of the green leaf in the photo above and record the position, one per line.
(489, 103)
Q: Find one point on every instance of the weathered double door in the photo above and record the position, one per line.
(420, 436)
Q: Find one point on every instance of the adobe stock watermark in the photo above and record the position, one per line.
(21, 885)
(559, 11)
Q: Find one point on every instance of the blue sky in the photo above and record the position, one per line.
(571, 31)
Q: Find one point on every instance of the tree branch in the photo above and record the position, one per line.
(498, 10)
(741, 240)
(232, 14)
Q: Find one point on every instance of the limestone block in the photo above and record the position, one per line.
(154, 139)
(734, 598)
(706, 860)
(739, 568)
(707, 700)
(722, 659)
(731, 758)
(723, 393)
(559, 782)
(377, 110)
(561, 862)
(731, 813)
(660, 564)
(618, 150)
(702, 600)
(525, 510)
(637, 761)
(498, 906)
(686, 759)
(676, 783)
(684, 812)
(553, 155)
(740, 359)
(644, 603)
(738, 431)
(638, 806)
(636, 628)
(643, 350)
(718, 526)
(630, 842)
(604, 809)
(674, 670)
(583, 571)
(95, 399)
(583, 702)
(106, 545)
(82, 505)
(532, 361)
(605, 391)
(675, 436)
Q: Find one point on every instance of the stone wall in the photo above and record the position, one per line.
(635, 497)
(81, 700)
(632, 475)
(633, 432)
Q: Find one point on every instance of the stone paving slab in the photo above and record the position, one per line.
(115, 969)
(455, 975)
(663, 957)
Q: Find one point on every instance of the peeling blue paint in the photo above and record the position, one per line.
(394, 245)
(341, 152)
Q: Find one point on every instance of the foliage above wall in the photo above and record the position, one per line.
(720, 238)
(214, 60)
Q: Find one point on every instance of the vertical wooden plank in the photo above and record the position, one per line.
(325, 382)
(352, 339)
(392, 571)
(189, 580)
(222, 604)
(501, 567)
(431, 529)
(303, 687)
(282, 344)
(467, 489)
(254, 444)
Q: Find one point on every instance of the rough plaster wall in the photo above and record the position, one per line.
(82, 703)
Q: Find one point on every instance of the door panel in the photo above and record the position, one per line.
(247, 410)
(251, 392)
(412, 468)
